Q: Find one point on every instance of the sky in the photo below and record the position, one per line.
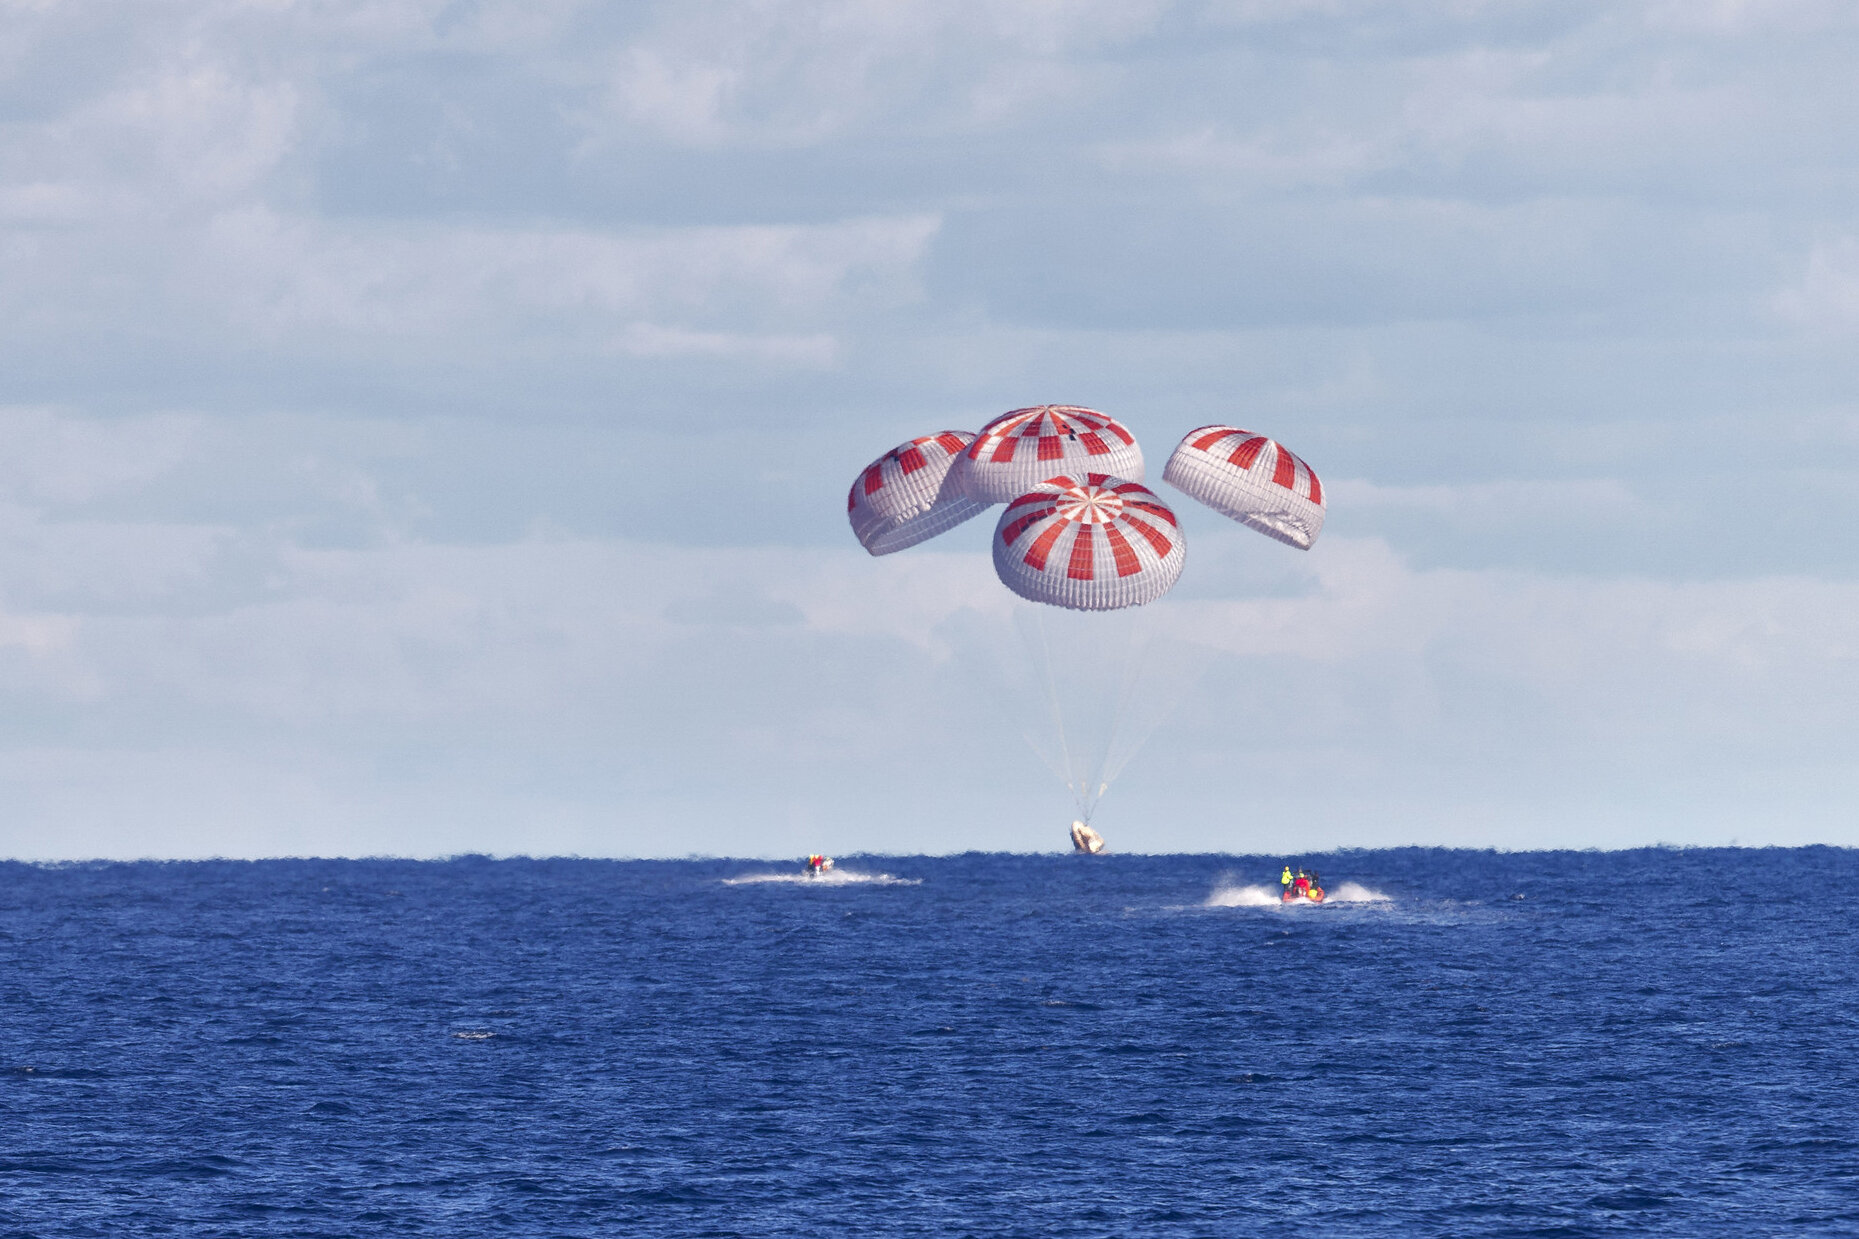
(425, 427)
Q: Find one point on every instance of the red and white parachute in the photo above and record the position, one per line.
(1083, 534)
(1018, 450)
(907, 495)
(1253, 479)
(1091, 543)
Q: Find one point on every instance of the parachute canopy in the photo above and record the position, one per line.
(1019, 449)
(1083, 536)
(1253, 479)
(1093, 542)
(907, 495)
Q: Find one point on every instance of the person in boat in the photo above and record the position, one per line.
(818, 864)
(1302, 885)
(1285, 879)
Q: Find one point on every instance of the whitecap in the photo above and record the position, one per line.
(1243, 897)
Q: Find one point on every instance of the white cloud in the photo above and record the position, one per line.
(1263, 161)
(799, 74)
(255, 277)
(167, 141)
(49, 458)
(38, 635)
(222, 675)
(1602, 641)
(418, 284)
(1585, 498)
(818, 351)
(170, 196)
(1742, 18)
(1825, 298)
(1409, 236)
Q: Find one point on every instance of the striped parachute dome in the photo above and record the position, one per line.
(1090, 542)
(1018, 450)
(1253, 479)
(907, 496)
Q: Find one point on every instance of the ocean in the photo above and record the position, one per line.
(1654, 1042)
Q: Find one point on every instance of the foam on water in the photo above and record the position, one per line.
(835, 877)
(1243, 897)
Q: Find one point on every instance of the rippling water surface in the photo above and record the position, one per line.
(1654, 1042)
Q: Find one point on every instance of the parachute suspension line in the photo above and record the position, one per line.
(1120, 713)
(1105, 684)
(1072, 779)
(1135, 651)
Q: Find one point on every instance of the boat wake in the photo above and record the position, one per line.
(832, 877)
(1242, 897)
(1268, 897)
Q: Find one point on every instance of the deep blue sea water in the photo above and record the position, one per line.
(1649, 1042)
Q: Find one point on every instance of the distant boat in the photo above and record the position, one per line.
(1304, 888)
(1086, 840)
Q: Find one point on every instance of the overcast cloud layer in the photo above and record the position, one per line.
(425, 427)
